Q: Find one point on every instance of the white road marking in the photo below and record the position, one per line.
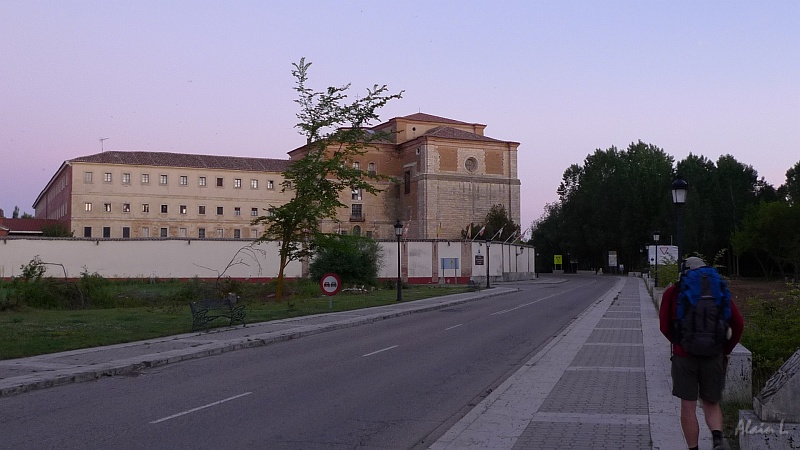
(454, 326)
(201, 407)
(537, 301)
(383, 350)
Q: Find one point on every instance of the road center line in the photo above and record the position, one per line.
(383, 350)
(201, 407)
(454, 326)
(537, 301)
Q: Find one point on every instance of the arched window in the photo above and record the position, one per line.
(356, 230)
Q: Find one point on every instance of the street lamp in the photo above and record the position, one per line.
(656, 237)
(679, 189)
(398, 231)
(488, 243)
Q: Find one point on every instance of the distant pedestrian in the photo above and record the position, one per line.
(693, 374)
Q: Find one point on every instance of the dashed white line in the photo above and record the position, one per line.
(454, 326)
(381, 350)
(200, 407)
(537, 301)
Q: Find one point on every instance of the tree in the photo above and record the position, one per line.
(355, 259)
(56, 229)
(499, 225)
(335, 132)
(771, 229)
(15, 214)
(792, 186)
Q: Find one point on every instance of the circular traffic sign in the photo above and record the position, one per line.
(330, 284)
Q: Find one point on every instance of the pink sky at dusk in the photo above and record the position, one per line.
(563, 78)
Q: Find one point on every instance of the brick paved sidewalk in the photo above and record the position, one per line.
(602, 383)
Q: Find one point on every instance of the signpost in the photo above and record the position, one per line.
(450, 263)
(330, 284)
(558, 261)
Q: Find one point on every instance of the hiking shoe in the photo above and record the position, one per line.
(723, 445)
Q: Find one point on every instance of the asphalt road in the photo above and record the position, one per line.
(393, 384)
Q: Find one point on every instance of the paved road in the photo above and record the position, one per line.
(398, 383)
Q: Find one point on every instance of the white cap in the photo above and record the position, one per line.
(693, 262)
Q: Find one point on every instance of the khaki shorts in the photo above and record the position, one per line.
(694, 374)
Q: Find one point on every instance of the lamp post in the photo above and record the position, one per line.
(679, 189)
(398, 231)
(656, 237)
(488, 243)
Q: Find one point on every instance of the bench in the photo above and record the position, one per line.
(473, 286)
(204, 311)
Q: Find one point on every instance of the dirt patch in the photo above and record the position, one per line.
(744, 289)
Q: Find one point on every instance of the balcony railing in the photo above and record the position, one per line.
(357, 218)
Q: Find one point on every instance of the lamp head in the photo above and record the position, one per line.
(398, 228)
(679, 189)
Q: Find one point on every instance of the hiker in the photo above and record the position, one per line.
(692, 373)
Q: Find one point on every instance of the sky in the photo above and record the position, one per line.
(562, 78)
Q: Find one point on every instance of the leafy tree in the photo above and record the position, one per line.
(771, 229)
(355, 259)
(335, 133)
(56, 229)
(792, 186)
(499, 225)
(15, 214)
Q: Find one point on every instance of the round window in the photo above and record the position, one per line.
(471, 164)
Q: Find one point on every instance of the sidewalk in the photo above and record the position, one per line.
(604, 382)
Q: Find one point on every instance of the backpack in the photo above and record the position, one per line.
(703, 312)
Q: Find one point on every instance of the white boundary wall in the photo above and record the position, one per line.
(208, 258)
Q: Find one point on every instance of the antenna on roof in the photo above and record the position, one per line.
(101, 144)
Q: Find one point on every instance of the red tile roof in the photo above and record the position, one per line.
(454, 133)
(27, 226)
(164, 159)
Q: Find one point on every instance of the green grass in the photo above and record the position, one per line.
(31, 331)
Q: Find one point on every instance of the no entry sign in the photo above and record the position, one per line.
(330, 284)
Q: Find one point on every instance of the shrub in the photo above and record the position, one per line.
(355, 259)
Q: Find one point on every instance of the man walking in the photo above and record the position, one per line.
(693, 374)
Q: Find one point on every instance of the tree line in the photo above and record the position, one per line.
(616, 199)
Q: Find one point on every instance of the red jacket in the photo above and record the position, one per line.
(669, 308)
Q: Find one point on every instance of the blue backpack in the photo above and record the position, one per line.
(703, 312)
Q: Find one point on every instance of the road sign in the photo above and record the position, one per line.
(330, 284)
(478, 260)
(558, 260)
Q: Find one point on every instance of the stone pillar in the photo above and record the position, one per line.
(774, 423)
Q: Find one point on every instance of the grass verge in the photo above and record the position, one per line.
(30, 331)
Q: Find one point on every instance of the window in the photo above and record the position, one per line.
(356, 194)
(371, 168)
(87, 177)
(145, 232)
(182, 232)
(356, 230)
(184, 180)
(471, 164)
(162, 179)
(237, 233)
(87, 231)
(126, 178)
(220, 210)
(201, 233)
(270, 184)
(271, 212)
(164, 232)
(219, 233)
(126, 207)
(202, 181)
(237, 183)
(126, 232)
(254, 211)
(253, 184)
(145, 207)
(183, 209)
(106, 232)
(357, 165)
(201, 209)
(87, 206)
(356, 212)
(107, 207)
(107, 177)
(237, 211)
(407, 181)
(219, 182)
(164, 209)
(145, 178)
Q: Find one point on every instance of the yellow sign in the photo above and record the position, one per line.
(557, 260)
